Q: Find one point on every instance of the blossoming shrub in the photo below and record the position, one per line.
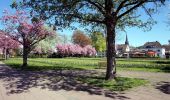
(71, 50)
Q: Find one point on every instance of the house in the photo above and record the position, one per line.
(137, 53)
(122, 50)
(153, 49)
(167, 50)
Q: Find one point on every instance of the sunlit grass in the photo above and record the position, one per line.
(153, 65)
(118, 84)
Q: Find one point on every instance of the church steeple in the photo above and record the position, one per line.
(126, 42)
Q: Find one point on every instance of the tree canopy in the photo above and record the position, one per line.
(98, 41)
(49, 43)
(6, 42)
(92, 12)
(80, 38)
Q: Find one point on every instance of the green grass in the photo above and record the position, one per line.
(53, 64)
(153, 65)
(118, 84)
(142, 69)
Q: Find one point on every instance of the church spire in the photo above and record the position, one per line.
(126, 42)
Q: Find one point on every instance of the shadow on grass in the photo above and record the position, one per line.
(44, 68)
(165, 69)
(162, 62)
(164, 87)
(17, 81)
(1, 59)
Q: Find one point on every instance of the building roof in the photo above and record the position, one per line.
(167, 47)
(155, 44)
(127, 42)
(121, 47)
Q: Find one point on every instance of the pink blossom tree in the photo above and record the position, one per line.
(21, 27)
(75, 50)
(6, 43)
(90, 51)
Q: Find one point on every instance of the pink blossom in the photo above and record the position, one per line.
(75, 50)
(20, 27)
(7, 42)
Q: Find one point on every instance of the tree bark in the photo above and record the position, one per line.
(110, 22)
(25, 56)
(111, 63)
(111, 52)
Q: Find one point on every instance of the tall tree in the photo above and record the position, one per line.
(28, 32)
(80, 38)
(108, 14)
(98, 41)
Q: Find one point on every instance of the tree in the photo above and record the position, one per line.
(108, 14)
(80, 38)
(98, 41)
(22, 29)
(48, 44)
(63, 38)
(6, 43)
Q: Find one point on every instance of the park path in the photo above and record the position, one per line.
(157, 89)
(60, 85)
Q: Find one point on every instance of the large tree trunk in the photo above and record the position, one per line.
(25, 56)
(111, 52)
(110, 22)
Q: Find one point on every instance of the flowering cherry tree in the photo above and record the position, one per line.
(20, 27)
(6, 43)
(75, 50)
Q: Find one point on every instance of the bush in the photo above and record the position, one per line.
(70, 50)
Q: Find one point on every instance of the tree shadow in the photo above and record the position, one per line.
(164, 87)
(17, 81)
(42, 67)
(165, 69)
(162, 62)
(1, 59)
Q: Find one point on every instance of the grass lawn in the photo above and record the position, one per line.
(118, 84)
(153, 65)
(55, 63)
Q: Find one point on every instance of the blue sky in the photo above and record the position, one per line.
(160, 32)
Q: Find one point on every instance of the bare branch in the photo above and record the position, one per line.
(97, 5)
(147, 11)
(121, 6)
(132, 8)
(132, 3)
